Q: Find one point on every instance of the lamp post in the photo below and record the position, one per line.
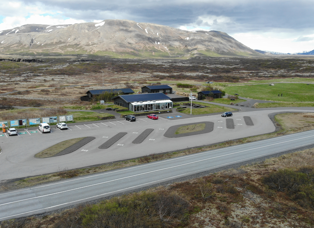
(191, 103)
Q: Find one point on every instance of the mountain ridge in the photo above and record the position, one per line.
(119, 38)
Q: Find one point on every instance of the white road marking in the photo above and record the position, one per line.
(134, 132)
(96, 125)
(161, 129)
(219, 127)
(152, 139)
(27, 131)
(6, 135)
(112, 123)
(239, 124)
(105, 124)
(87, 126)
(84, 150)
(172, 160)
(105, 137)
(120, 144)
(78, 127)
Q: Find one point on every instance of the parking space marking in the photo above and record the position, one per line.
(161, 129)
(239, 124)
(87, 126)
(78, 127)
(33, 132)
(96, 125)
(84, 150)
(27, 131)
(112, 123)
(134, 132)
(152, 139)
(21, 132)
(1, 135)
(219, 127)
(169, 117)
(120, 144)
(6, 135)
(105, 124)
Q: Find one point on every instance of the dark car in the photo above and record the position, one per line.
(225, 114)
(130, 118)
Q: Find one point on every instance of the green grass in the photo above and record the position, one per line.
(57, 148)
(295, 80)
(284, 104)
(190, 128)
(207, 110)
(291, 92)
(227, 101)
(87, 116)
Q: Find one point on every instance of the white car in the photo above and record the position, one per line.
(62, 126)
(12, 131)
(44, 127)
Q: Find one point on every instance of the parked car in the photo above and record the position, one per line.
(12, 131)
(152, 116)
(130, 118)
(62, 126)
(225, 114)
(44, 127)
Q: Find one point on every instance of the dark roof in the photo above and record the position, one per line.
(144, 97)
(212, 92)
(159, 87)
(100, 91)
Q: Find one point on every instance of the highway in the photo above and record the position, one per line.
(49, 197)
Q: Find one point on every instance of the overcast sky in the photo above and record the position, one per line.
(273, 25)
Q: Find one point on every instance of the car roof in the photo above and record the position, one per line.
(12, 128)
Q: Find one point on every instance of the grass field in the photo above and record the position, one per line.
(291, 92)
(284, 104)
(190, 128)
(55, 149)
(227, 101)
(207, 110)
(87, 116)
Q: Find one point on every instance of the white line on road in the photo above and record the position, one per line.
(96, 125)
(120, 122)
(172, 161)
(27, 131)
(112, 123)
(6, 135)
(152, 139)
(120, 144)
(78, 127)
(87, 126)
(105, 124)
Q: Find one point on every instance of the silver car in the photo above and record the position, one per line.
(12, 131)
(62, 126)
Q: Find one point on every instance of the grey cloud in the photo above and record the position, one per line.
(245, 15)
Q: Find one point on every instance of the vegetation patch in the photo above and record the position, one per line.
(57, 148)
(288, 92)
(227, 101)
(208, 109)
(284, 104)
(190, 128)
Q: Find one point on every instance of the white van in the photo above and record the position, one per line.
(44, 127)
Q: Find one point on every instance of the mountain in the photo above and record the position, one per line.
(119, 38)
(306, 53)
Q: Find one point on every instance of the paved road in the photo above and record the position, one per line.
(58, 195)
(17, 159)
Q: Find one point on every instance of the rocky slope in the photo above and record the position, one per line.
(119, 38)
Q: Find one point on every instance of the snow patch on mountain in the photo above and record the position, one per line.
(100, 24)
(139, 26)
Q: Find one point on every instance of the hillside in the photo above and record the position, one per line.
(119, 38)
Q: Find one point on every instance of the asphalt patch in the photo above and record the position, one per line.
(112, 140)
(171, 132)
(230, 123)
(139, 139)
(75, 146)
(248, 121)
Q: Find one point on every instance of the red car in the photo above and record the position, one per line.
(152, 116)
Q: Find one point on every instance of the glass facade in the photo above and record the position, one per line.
(146, 106)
